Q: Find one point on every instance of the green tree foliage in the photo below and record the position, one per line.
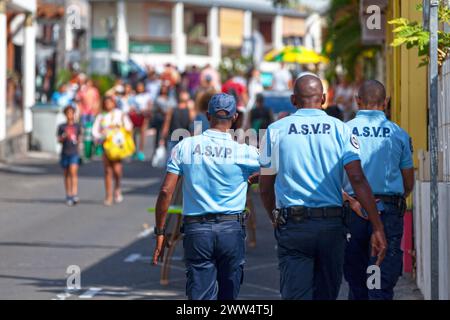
(412, 34)
(233, 63)
(343, 42)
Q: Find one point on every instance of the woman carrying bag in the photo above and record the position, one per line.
(113, 130)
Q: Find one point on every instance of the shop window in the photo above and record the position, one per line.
(160, 23)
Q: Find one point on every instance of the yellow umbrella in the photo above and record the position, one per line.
(295, 54)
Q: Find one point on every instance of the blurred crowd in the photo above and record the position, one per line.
(153, 106)
(168, 100)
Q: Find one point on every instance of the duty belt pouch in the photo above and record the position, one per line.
(278, 217)
(298, 216)
(182, 228)
(402, 206)
(244, 216)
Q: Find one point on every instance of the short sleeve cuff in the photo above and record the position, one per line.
(174, 171)
(406, 165)
(265, 165)
(352, 158)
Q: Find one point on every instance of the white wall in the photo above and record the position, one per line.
(422, 238)
(137, 19)
(161, 59)
(100, 12)
(444, 119)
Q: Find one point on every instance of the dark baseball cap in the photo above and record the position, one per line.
(222, 102)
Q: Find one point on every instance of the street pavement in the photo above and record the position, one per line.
(40, 237)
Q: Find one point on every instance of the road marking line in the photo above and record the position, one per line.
(261, 287)
(144, 234)
(162, 293)
(62, 296)
(132, 258)
(114, 293)
(90, 293)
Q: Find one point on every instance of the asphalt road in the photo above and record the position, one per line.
(40, 238)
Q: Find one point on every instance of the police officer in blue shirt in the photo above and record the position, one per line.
(386, 158)
(216, 171)
(303, 159)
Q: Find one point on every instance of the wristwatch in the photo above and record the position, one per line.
(159, 232)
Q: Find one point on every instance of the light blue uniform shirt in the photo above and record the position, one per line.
(215, 171)
(385, 151)
(308, 151)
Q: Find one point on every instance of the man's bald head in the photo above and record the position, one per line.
(372, 94)
(308, 92)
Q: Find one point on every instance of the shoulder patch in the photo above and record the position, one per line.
(354, 141)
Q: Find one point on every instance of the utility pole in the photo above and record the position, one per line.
(434, 151)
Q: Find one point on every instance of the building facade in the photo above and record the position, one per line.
(408, 89)
(190, 31)
(61, 41)
(17, 74)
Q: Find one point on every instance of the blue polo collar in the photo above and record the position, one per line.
(217, 134)
(310, 112)
(371, 113)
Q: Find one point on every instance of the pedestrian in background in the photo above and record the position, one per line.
(282, 79)
(192, 78)
(344, 99)
(201, 111)
(255, 87)
(215, 171)
(153, 83)
(125, 98)
(162, 105)
(210, 77)
(177, 118)
(303, 159)
(386, 158)
(62, 97)
(260, 116)
(110, 119)
(140, 115)
(69, 135)
(236, 86)
(88, 102)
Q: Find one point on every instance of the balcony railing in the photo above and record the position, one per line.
(150, 45)
(198, 47)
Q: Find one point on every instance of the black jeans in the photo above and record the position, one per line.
(311, 258)
(215, 257)
(358, 259)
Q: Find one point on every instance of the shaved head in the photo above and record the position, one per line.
(372, 94)
(308, 92)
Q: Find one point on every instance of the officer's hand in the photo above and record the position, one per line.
(253, 179)
(357, 208)
(379, 245)
(158, 254)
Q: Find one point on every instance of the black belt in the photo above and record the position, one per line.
(390, 199)
(398, 201)
(305, 212)
(211, 217)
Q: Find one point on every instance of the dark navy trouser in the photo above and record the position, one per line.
(311, 258)
(214, 257)
(357, 256)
